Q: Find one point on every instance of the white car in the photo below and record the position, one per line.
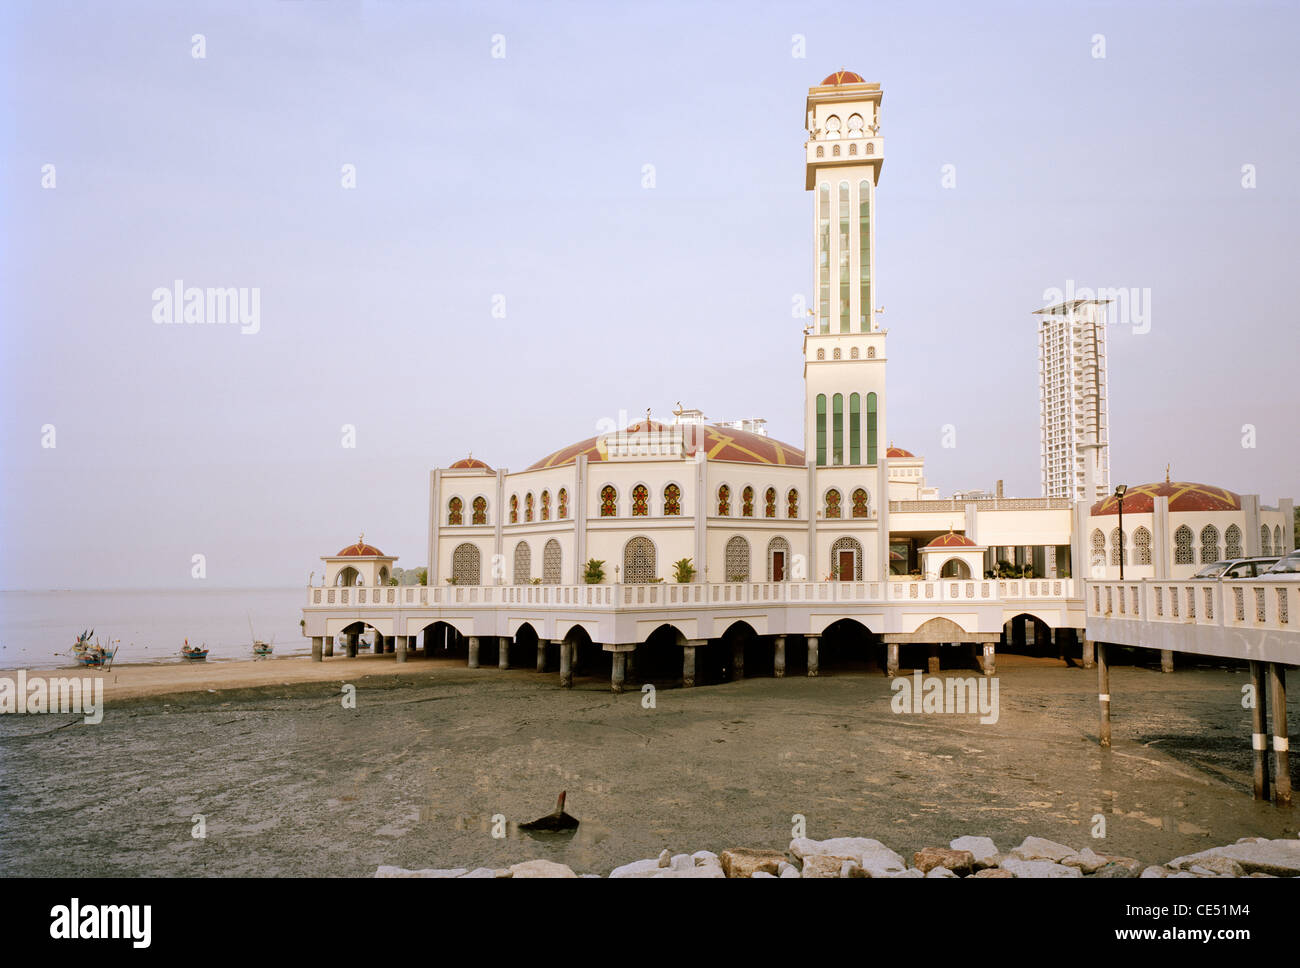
(1287, 568)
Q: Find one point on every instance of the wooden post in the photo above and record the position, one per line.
(566, 664)
(472, 662)
(317, 648)
(399, 653)
(891, 659)
(988, 663)
(737, 660)
(688, 666)
(541, 655)
(1281, 750)
(1166, 660)
(1089, 653)
(1103, 694)
(778, 657)
(1259, 729)
(813, 666)
(619, 672)
(503, 652)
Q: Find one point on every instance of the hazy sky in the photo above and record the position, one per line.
(522, 176)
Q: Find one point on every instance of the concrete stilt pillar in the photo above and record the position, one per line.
(619, 672)
(352, 644)
(317, 648)
(1018, 632)
(737, 660)
(688, 666)
(566, 664)
(778, 657)
(329, 646)
(1281, 745)
(631, 663)
(390, 643)
(541, 655)
(503, 652)
(1103, 694)
(473, 652)
(379, 643)
(1166, 660)
(932, 660)
(988, 661)
(1089, 653)
(891, 659)
(814, 665)
(400, 647)
(1259, 728)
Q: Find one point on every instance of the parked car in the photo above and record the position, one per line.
(1236, 568)
(1287, 568)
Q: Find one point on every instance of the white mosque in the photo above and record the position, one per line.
(663, 543)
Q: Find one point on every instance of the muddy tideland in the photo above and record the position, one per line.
(433, 765)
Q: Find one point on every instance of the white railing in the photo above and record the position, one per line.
(1268, 604)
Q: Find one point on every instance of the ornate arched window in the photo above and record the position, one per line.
(1142, 546)
(348, 577)
(639, 561)
(640, 501)
(769, 503)
(821, 151)
(479, 510)
(528, 506)
(821, 354)
(724, 500)
(1117, 549)
(455, 508)
(832, 503)
(835, 151)
(871, 352)
(778, 547)
(523, 563)
(1232, 542)
(465, 565)
(672, 500)
(747, 502)
(792, 504)
(835, 353)
(546, 505)
(608, 501)
(1265, 540)
(551, 561)
(1209, 544)
(514, 508)
(846, 544)
(562, 497)
(853, 149)
(954, 568)
(1183, 545)
(737, 559)
(1277, 539)
(859, 503)
(1098, 548)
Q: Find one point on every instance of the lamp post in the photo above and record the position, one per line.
(1119, 496)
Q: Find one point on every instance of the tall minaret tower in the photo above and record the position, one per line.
(844, 352)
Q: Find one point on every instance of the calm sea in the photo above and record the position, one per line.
(37, 629)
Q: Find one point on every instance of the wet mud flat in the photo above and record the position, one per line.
(427, 770)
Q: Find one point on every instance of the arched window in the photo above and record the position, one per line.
(737, 559)
(792, 504)
(778, 560)
(837, 429)
(724, 500)
(640, 501)
(454, 508)
(853, 149)
(835, 354)
(954, 568)
(832, 503)
(638, 561)
(514, 508)
(747, 502)
(1183, 545)
(855, 425)
(821, 430)
(860, 503)
(1142, 546)
(608, 501)
(1232, 542)
(348, 577)
(1265, 540)
(871, 429)
(853, 355)
(546, 505)
(563, 503)
(835, 151)
(1209, 544)
(833, 127)
(1117, 547)
(528, 506)
(769, 503)
(840, 563)
(672, 500)
(1277, 540)
(871, 352)
(480, 510)
(821, 354)
(821, 151)
(465, 565)
(1098, 548)
(523, 563)
(551, 561)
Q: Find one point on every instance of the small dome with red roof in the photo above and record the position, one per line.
(952, 540)
(360, 550)
(1182, 495)
(898, 452)
(843, 77)
(469, 463)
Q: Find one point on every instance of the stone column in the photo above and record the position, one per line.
(1089, 653)
(541, 655)
(400, 648)
(631, 663)
(389, 643)
(737, 660)
(1018, 632)
(503, 652)
(988, 661)
(329, 646)
(932, 660)
(1281, 745)
(778, 657)
(1166, 660)
(473, 652)
(379, 643)
(352, 644)
(317, 648)
(891, 659)
(566, 664)
(619, 673)
(688, 666)
(813, 668)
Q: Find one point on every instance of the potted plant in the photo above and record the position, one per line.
(594, 572)
(683, 571)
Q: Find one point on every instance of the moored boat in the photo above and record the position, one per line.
(197, 653)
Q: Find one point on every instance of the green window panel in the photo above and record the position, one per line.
(855, 421)
(821, 430)
(871, 428)
(837, 428)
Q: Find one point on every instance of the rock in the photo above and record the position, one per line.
(939, 872)
(851, 868)
(802, 847)
(1153, 872)
(909, 872)
(882, 862)
(1039, 868)
(1119, 867)
(541, 868)
(705, 857)
(762, 874)
(993, 872)
(583, 876)
(1278, 857)
(981, 848)
(682, 862)
(638, 868)
(1086, 860)
(1036, 848)
(743, 861)
(789, 870)
(825, 865)
(705, 871)
(1219, 866)
(665, 858)
(958, 862)
(385, 871)
(487, 872)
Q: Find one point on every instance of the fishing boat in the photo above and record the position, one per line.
(92, 654)
(261, 648)
(197, 653)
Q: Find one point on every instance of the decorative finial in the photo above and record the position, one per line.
(647, 418)
(361, 540)
(1166, 473)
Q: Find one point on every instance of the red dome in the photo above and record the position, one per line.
(719, 443)
(469, 463)
(843, 77)
(1183, 496)
(360, 550)
(952, 540)
(898, 452)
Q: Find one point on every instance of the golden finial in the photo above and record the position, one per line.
(1166, 473)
